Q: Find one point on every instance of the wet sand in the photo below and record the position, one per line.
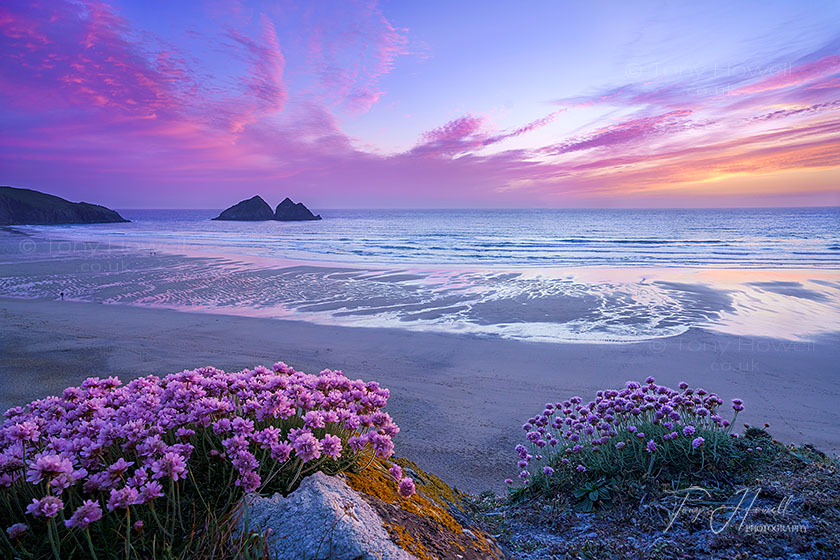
(552, 304)
(459, 399)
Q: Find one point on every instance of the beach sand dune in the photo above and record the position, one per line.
(460, 400)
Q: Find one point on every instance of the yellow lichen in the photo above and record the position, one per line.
(405, 541)
(375, 481)
(431, 502)
(433, 487)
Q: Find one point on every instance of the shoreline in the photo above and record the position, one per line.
(459, 399)
(584, 305)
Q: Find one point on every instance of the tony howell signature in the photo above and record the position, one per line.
(734, 513)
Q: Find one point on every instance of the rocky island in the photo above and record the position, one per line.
(288, 211)
(252, 210)
(256, 209)
(28, 207)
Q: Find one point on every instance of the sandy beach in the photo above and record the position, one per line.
(460, 400)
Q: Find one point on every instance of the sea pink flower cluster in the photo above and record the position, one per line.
(114, 446)
(571, 429)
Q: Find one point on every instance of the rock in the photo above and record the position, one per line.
(28, 207)
(254, 209)
(288, 211)
(323, 519)
(432, 524)
(361, 516)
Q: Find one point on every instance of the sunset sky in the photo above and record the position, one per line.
(198, 104)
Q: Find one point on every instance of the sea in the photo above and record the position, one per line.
(571, 275)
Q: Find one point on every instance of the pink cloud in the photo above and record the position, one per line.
(454, 130)
(531, 126)
(811, 109)
(81, 59)
(794, 76)
(352, 46)
(465, 134)
(456, 136)
(267, 62)
(633, 130)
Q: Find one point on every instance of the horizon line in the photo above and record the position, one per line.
(533, 208)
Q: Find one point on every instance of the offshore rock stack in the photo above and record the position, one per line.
(256, 209)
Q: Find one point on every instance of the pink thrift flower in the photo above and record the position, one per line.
(221, 426)
(48, 466)
(242, 426)
(149, 492)
(17, 530)
(307, 447)
(268, 437)
(139, 477)
(396, 471)
(61, 482)
(406, 487)
(698, 441)
(357, 443)
(172, 465)
(331, 446)
(280, 451)
(184, 433)
(383, 446)
(119, 467)
(89, 512)
(122, 498)
(313, 419)
(48, 506)
(250, 481)
(23, 431)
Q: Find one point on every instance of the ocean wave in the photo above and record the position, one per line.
(516, 238)
(646, 241)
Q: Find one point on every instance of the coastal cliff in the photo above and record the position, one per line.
(29, 207)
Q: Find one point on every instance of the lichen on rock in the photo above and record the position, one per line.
(362, 516)
(425, 524)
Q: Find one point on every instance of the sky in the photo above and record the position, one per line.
(199, 104)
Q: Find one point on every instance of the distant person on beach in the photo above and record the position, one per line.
(62, 296)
